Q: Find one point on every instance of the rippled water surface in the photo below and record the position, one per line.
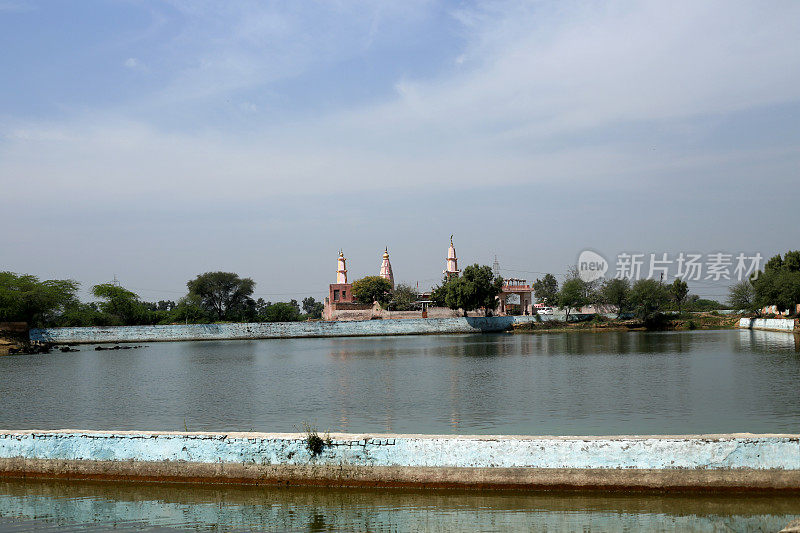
(561, 383)
(57, 506)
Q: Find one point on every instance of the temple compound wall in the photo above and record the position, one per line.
(276, 330)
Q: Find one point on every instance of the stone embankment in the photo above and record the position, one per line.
(770, 324)
(732, 462)
(271, 330)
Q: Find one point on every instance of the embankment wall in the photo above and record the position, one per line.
(771, 324)
(268, 330)
(699, 462)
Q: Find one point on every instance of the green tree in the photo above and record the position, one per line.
(546, 289)
(24, 298)
(678, 292)
(189, 310)
(616, 292)
(648, 299)
(121, 305)
(282, 312)
(224, 294)
(779, 284)
(313, 308)
(83, 315)
(372, 289)
(572, 296)
(695, 303)
(476, 288)
(741, 296)
(404, 298)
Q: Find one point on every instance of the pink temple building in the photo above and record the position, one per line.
(386, 268)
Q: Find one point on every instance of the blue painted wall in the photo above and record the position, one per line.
(267, 330)
(694, 452)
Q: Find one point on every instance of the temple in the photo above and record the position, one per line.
(386, 267)
(515, 297)
(341, 291)
(451, 265)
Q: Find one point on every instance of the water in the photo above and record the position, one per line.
(564, 384)
(58, 506)
(571, 383)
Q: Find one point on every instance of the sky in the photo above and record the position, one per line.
(154, 141)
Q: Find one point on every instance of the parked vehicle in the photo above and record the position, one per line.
(544, 310)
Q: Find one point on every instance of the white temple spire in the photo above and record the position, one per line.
(341, 272)
(452, 261)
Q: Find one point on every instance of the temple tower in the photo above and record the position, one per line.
(452, 261)
(341, 273)
(386, 267)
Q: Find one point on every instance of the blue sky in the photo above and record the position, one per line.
(157, 140)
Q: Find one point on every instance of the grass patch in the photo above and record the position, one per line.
(314, 443)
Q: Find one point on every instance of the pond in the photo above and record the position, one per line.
(577, 383)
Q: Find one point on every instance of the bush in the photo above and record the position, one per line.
(314, 443)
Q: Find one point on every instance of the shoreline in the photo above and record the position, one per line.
(365, 328)
(44, 339)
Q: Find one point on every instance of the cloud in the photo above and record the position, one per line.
(536, 93)
(16, 6)
(134, 64)
(225, 47)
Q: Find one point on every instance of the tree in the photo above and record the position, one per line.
(648, 299)
(741, 296)
(121, 305)
(616, 292)
(282, 312)
(779, 284)
(313, 308)
(189, 310)
(223, 294)
(678, 292)
(372, 289)
(23, 298)
(476, 287)
(82, 315)
(546, 289)
(404, 298)
(695, 303)
(571, 296)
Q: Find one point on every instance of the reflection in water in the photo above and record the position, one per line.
(40, 504)
(768, 341)
(556, 383)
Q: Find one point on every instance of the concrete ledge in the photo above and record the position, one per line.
(701, 462)
(273, 330)
(738, 480)
(769, 324)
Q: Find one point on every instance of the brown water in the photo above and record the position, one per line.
(52, 505)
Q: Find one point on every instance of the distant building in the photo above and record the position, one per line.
(340, 303)
(515, 297)
(451, 262)
(386, 267)
(341, 291)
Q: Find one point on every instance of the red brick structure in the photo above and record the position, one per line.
(340, 293)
